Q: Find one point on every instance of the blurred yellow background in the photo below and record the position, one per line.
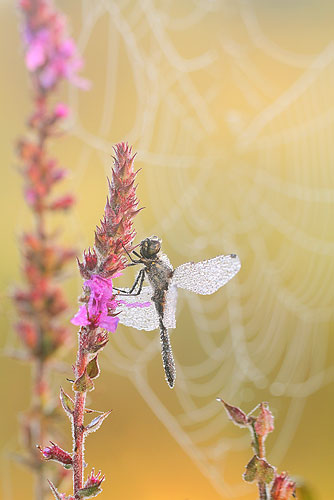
(230, 106)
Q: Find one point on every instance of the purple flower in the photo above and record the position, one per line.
(61, 110)
(50, 53)
(98, 310)
(101, 304)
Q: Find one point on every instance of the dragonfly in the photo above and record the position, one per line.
(160, 293)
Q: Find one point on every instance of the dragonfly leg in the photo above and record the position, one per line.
(139, 279)
(134, 261)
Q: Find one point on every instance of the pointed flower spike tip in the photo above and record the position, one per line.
(115, 233)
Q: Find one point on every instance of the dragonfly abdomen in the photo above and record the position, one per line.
(167, 355)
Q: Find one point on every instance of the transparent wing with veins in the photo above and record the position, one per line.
(142, 318)
(208, 276)
(204, 278)
(146, 318)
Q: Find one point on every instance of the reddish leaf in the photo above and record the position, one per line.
(237, 416)
(83, 383)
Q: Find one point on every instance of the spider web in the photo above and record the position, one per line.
(267, 329)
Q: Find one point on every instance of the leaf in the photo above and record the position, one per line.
(93, 369)
(89, 492)
(83, 383)
(66, 402)
(237, 416)
(259, 469)
(89, 410)
(56, 494)
(251, 470)
(266, 472)
(96, 423)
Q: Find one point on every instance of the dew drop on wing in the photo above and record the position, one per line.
(208, 276)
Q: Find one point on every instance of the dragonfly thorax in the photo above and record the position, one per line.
(150, 247)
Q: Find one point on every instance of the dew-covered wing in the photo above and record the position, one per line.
(208, 276)
(138, 311)
(170, 307)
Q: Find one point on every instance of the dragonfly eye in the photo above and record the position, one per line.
(150, 247)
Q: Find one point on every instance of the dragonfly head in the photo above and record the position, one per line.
(150, 247)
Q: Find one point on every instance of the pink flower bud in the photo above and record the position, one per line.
(62, 203)
(264, 422)
(94, 479)
(28, 334)
(25, 4)
(90, 259)
(30, 196)
(94, 340)
(61, 110)
(53, 452)
(283, 488)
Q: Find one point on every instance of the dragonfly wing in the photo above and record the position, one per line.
(142, 316)
(208, 276)
(170, 307)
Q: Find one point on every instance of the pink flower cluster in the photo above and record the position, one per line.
(98, 311)
(51, 57)
(50, 53)
(101, 303)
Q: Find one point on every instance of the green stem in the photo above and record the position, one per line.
(259, 448)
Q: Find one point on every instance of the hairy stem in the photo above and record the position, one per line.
(40, 385)
(262, 454)
(78, 422)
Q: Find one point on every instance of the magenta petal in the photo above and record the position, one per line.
(100, 287)
(48, 77)
(116, 275)
(81, 317)
(35, 56)
(108, 322)
(67, 47)
(133, 304)
(61, 110)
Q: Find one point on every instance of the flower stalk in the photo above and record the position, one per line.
(96, 316)
(271, 485)
(51, 57)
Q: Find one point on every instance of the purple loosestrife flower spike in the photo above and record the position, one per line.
(115, 232)
(51, 57)
(96, 317)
